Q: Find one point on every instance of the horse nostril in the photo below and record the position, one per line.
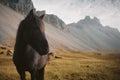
(45, 50)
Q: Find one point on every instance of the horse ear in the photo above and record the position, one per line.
(32, 11)
(42, 16)
(30, 14)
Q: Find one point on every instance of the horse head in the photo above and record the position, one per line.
(34, 32)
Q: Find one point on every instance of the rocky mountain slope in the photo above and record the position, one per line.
(22, 6)
(9, 20)
(108, 11)
(55, 21)
(92, 33)
(9, 24)
(85, 35)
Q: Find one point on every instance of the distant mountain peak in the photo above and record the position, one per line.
(89, 22)
(96, 19)
(55, 20)
(87, 18)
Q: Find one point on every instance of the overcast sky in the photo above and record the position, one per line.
(74, 10)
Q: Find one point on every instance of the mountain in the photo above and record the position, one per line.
(96, 36)
(9, 20)
(108, 11)
(55, 21)
(86, 35)
(22, 6)
(8, 28)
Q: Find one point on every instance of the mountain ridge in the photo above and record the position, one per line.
(22, 6)
(88, 37)
(98, 36)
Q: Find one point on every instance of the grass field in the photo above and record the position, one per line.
(72, 66)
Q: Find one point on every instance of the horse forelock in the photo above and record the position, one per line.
(32, 19)
(42, 26)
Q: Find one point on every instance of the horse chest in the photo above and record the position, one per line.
(40, 61)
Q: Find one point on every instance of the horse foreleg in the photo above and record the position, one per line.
(33, 75)
(22, 74)
(37, 74)
(40, 74)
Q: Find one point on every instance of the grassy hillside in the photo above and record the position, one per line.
(72, 66)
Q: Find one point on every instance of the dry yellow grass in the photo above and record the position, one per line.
(72, 66)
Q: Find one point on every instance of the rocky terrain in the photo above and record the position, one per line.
(55, 21)
(22, 6)
(94, 35)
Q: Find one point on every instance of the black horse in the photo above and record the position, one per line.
(31, 47)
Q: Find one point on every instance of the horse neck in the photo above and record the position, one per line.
(20, 43)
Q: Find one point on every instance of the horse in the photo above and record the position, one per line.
(31, 47)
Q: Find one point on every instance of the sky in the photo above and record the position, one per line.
(108, 11)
